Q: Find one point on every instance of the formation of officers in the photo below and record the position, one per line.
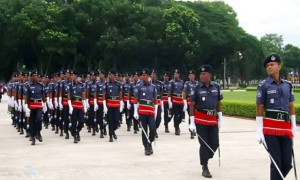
(68, 102)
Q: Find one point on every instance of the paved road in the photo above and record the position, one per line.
(175, 157)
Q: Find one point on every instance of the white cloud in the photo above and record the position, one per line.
(259, 17)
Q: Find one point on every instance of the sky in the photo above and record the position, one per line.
(259, 17)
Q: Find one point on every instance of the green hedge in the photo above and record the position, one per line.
(246, 109)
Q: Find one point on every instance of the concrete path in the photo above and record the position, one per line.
(174, 158)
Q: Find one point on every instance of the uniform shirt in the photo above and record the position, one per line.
(189, 86)
(133, 86)
(275, 96)
(159, 88)
(100, 88)
(46, 87)
(64, 87)
(91, 87)
(113, 89)
(20, 90)
(206, 98)
(145, 91)
(126, 88)
(34, 90)
(176, 86)
(166, 85)
(76, 90)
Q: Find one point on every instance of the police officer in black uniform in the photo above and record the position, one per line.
(131, 97)
(91, 87)
(100, 87)
(167, 112)
(277, 128)
(159, 91)
(146, 110)
(205, 112)
(63, 101)
(127, 106)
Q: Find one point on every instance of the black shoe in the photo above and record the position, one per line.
(56, 132)
(94, 132)
(192, 135)
(46, 126)
(177, 133)
(111, 139)
(22, 131)
(53, 128)
(30, 139)
(97, 129)
(40, 138)
(179, 130)
(33, 141)
(104, 132)
(167, 129)
(89, 130)
(75, 139)
(27, 134)
(18, 129)
(101, 135)
(205, 172)
(61, 133)
(147, 151)
(115, 136)
(78, 137)
(150, 148)
(156, 135)
(128, 127)
(135, 131)
(67, 136)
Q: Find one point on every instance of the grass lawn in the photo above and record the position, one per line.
(249, 96)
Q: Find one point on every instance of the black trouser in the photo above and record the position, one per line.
(158, 117)
(35, 122)
(100, 116)
(46, 117)
(127, 114)
(210, 134)
(113, 117)
(0, 96)
(178, 114)
(135, 121)
(65, 118)
(148, 121)
(166, 114)
(77, 121)
(280, 148)
(58, 119)
(20, 119)
(92, 123)
(16, 117)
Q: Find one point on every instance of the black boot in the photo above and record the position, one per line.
(147, 151)
(135, 131)
(56, 132)
(40, 138)
(104, 131)
(22, 131)
(67, 136)
(75, 139)
(89, 129)
(177, 133)
(101, 134)
(167, 129)
(46, 126)
(150, 148)
(27, 134)
(115, 136)
(32, 140)
(111, 139)
(94, 132)
(192, 135)
(128, 127)
(61, 133)
(53, 128)
(97, 129)
(156, 135)
(206, 172)
(78, 136)
(18, 129)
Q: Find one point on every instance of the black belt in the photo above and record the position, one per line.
(74, 98)
(177, 95)
(278, 115)
(113, 97)
(211, 112)
(35, 100)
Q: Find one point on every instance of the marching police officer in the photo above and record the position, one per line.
(278, 127)
(126, 89)
(63, 101)
(205, 112)
(159, 91)
(34, 104)
(189, 86)
(131, 97)
(175, 100)
(101, 103)
(146, 110)
(114, 103)
(91, 87)
(166, 109)
(77, 105)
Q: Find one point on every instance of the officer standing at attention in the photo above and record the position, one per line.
(127, 105)
(35, 102)
(77, 105)
(113, 96)
(131, 96)
(175, 100)
(63, 101)
(159, 91)
(146, 110)
(91, 87)
(205, 112)
(278, 127)
(189, 86)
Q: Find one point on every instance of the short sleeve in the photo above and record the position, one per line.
(260, 94)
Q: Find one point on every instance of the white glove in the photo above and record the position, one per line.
(51, 104)
(87, 104)
(19, 105)
(47, 101)
(136, 114)
(27, 112)
(128, 105)
(104, 107)
(121, 106)
(220, 114)
(162, 106)
(60, 103)
(259, 134)
(294, 124)
(23, 105)
(9, 101)
(185, 106)
(96, 107)
(55, 103)
(16, 105)
(192, 126)
(170, 102)
(44, 107)
(155, 108)
(12, 101)
(70, 107)
(84, 106)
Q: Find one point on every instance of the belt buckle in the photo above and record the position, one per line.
(35, 101)
(280, 116)
(210, 112)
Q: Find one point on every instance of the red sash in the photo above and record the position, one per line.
(177, 100)
(277, 127)
(146, 110)
(91, 100)
(35, 105)
(77, 105)
(65, 101)
(205, 119)
(131, 100)
(100, 100)
(113, 103)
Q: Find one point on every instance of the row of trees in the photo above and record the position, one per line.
(49, 35)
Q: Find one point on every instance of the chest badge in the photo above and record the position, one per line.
(74, 91)
(272, 101)
(144, 94)
(203, 98)
(32, 92)
(110, 90)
